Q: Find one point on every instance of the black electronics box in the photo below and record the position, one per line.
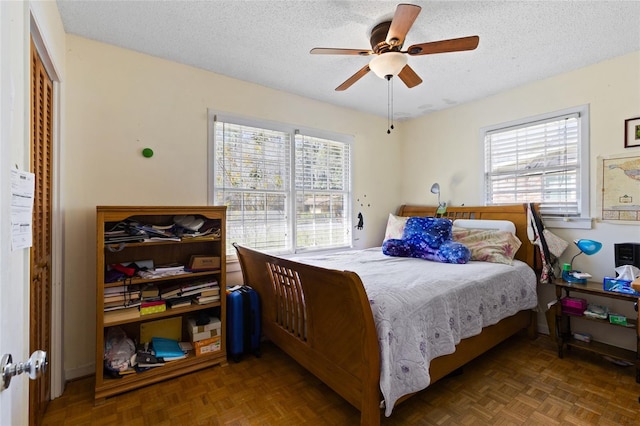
(627, 254)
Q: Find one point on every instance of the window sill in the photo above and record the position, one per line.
(233, 264)
(568, 223)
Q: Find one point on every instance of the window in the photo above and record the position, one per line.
(286, 190)
(543, 160)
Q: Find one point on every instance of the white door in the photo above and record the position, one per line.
(14, 265)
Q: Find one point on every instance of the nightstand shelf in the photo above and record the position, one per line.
(564, 335)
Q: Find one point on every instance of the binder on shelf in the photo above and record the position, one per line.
(166, 348)
(168, 328)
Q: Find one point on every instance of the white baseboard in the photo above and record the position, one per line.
(76, 373)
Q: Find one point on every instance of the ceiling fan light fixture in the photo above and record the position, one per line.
(389, 63)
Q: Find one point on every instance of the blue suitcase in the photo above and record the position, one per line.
(243, 322)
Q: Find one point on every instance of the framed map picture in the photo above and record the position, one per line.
(632, 132)
(619, 188)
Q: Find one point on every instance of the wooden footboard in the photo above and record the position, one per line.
(323, 320)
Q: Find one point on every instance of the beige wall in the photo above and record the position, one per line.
(445, 147)
(120, 101)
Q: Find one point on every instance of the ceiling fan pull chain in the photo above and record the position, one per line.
(389, 110)
(391, 83)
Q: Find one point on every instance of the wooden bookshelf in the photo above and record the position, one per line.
(160, 252)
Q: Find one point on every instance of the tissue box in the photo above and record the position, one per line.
(618, 286)
(573, 305)
(617, 319)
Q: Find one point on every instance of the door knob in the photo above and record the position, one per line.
(35, 366)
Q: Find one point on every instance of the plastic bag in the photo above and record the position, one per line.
(118, 350)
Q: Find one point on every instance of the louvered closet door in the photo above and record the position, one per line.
(41, 164)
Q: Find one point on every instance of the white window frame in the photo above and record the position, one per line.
(213, 116)
(583, 220)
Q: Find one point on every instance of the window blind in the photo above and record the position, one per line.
(285, 191)
(322, 184)
(536, 162)
(252, 180)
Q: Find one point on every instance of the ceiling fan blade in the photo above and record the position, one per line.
(409, 77)
(357, 76)
(402, 21)
(338, 51)
(444, 46)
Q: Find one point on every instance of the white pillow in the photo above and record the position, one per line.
(497, 225)
(395, 227)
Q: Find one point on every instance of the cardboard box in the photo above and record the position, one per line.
(203, 332)
(207, 346)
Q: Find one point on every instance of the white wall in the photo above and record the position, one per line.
(445, 147)
(120, 101)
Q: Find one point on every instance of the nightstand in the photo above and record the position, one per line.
(564, 335)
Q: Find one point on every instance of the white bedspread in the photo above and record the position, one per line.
(422, 309)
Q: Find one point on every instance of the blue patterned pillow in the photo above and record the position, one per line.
(428, 238)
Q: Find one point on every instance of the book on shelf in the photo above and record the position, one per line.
(199, 285)
(174, 358)
(122, 314)
(199, 291)
(121, 298)
(169, 267)
(121, 289)
(208, 299)
(213, 291)
(141, 366)
(124, 239)
(167, 349)
(161, 273)
(153, 307)
(195, 292)
(171, 290)
(148, 303)
(112, 306)
(151, 239)
(149, 290)
(179, 302)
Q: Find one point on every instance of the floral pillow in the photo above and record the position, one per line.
(488, 245)
(395, 227)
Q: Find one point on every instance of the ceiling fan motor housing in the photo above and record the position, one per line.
(379, 36)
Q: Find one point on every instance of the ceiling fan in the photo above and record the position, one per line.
(387, 39)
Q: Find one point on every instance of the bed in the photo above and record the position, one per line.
(326, 319)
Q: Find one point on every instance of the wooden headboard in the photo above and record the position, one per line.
(516, 213)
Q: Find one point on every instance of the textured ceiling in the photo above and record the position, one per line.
(268, 43)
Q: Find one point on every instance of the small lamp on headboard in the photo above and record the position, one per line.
(442, 207)
(587, 247)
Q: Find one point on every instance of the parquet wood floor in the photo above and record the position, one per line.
(520, 382)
